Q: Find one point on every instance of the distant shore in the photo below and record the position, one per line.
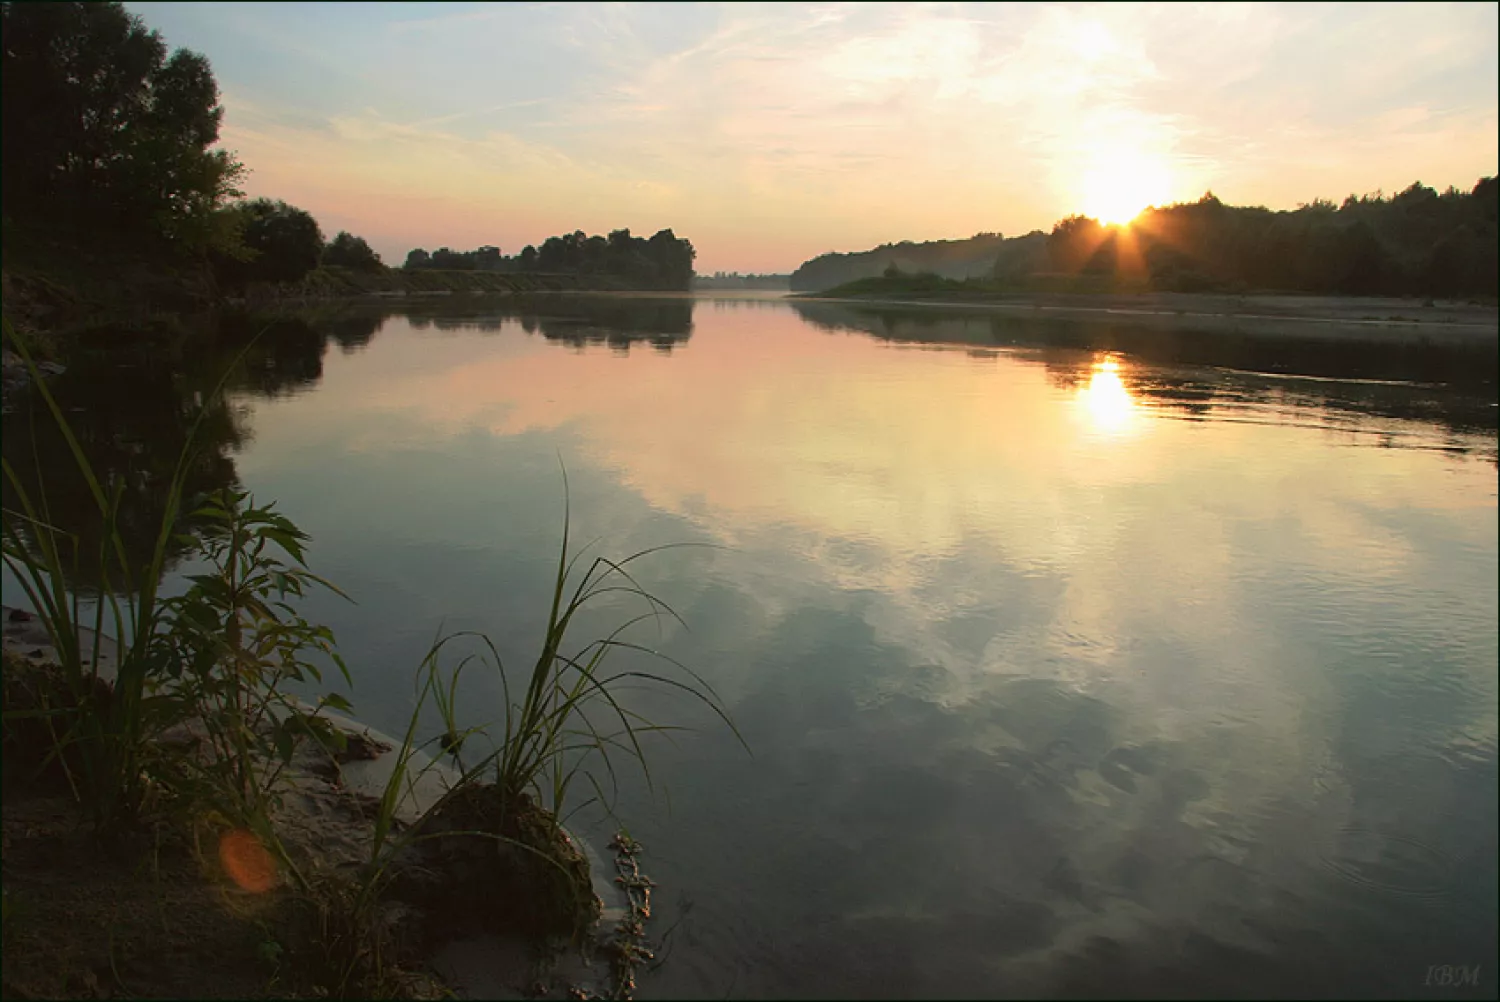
(1355, 318)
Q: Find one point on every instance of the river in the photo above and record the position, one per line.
(1072, 659)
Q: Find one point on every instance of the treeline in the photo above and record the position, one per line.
(1418, 242)
(110, 185)
(734, 280)
(1415, 243)
(664, 261)
(971, 258)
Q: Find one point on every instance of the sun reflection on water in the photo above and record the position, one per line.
(1106, 401)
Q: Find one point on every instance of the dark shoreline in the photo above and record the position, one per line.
(1344, 318)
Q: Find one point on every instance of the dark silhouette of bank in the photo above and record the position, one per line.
(953, 259)
(1452, 384)
(1415, 243)
(664, 262)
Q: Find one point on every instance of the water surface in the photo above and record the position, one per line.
(1073, 659)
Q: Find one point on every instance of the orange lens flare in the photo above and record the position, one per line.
(247, 862)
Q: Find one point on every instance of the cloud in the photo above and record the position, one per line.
(793, 130)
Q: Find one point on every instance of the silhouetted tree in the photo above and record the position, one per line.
(102, 129)
(284, 244)
(349, 251)
(1416, 242)
(618, 261)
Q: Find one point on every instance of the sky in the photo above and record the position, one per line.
(770, 133)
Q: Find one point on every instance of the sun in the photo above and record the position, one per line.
(1120, 186)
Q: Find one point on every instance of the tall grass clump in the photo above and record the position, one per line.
(569, 717)
(562, 720)
(102, 733)
(211, 664)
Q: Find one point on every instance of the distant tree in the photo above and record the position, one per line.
(1076, 244)
(445, 259)
(616, 261)
(101, 129)
(555, 254)
(349, 251)
(673, 259)
(488, 258)
(1486, 195)
(957, 259)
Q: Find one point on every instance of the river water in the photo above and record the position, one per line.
(1072, 659)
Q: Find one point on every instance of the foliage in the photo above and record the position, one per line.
(284, 242)
(618, 261)
(104, 130)
(215, 660)
(349, 251)
(1418, 242)
(895, 282)
(1415, 243)
(957, 259)
(232, 645)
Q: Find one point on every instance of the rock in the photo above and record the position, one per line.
(362, 748)
(19, 616)
(467, 883)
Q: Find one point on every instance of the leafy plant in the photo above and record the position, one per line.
(213, 663)
(234, 644)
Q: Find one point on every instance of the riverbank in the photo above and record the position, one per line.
(1351, 318)
(167, 911)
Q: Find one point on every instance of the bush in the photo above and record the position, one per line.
(283, 244)
(349, 251)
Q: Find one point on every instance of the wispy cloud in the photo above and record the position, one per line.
(771, 132)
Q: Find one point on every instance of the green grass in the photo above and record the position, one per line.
(218, 657)
(102, 740)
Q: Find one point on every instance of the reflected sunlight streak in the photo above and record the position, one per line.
(1109, 405)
